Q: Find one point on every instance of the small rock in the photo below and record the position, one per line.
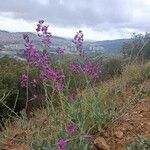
(101, 144)
(119, 134)
(127, 119)
(124, 129)
(148, 123)
(135, 112)
(146, 132)
(106, 135)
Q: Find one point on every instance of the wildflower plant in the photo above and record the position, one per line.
(71, 125)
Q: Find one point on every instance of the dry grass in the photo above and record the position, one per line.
(106, 100)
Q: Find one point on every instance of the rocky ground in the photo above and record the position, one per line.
(135, 121)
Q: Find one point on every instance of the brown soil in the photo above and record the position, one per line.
(136, 121)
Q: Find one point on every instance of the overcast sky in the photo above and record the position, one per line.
(99, 19)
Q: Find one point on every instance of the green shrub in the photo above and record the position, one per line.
(9, 80)
(112, 67)
(11, 71)
(137, 73)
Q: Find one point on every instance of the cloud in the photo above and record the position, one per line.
(97, 15)
(71, 12)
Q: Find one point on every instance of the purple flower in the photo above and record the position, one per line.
(88, 69)
(93, 70)
(51, 74)
(41, 21)
(60, 51)
(43, 33)
(47, 39)
(75, 68)
(39, 25)
(62, 144)
(72, 96)
(34, 83)
(44, 61)
(30, 51)
(44, 29)
(78, 41)
(59, 75)
(59, 86)
(47, 73)
(26, 38)
(33, 52)
(24, 80)
(44, 74)
(78, 38)
(70, 129)
(38, 28)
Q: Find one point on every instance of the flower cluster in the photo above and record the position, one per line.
(59, 85)
(63, 143)
(43, 32)
(24, 80)
(78, 38)
(48, 73)
(34, 82)
(60, 51)
(78, 41)
(92, 70)
(30, 51)
(70, 129)
(75, 67)
(42, 61)
(88, 69)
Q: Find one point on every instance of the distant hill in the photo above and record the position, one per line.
(112, 46)
(17, 38)
(13, 41)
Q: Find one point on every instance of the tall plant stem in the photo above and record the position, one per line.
(27, 89)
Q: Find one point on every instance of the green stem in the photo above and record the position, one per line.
(27, 89)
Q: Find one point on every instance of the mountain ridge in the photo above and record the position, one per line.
(11, 40)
